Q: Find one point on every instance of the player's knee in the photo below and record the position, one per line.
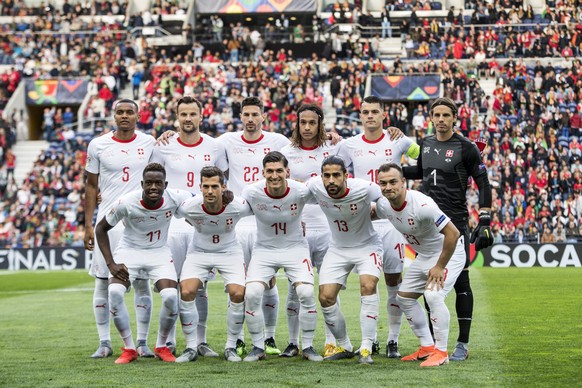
(116, 295)
(327, 299)
(170, 298)
(434, 298)
(254, 292)
(237, 294)
(393, 279)
(406, 304)
(305, 292)
(187, 294)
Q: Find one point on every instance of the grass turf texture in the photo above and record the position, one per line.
(526, 332)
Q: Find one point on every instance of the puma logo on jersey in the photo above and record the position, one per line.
(399, 219)
(339, 207)
(214, 222)
(372, 152)
(125, 152)
(277, 207)
(192, 156)
(155, 218)
(313, 157)
(252, 150)
(437, 151)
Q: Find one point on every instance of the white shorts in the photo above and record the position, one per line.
(178, 243)
(230, 264)
(318, 240)
(393, 245)
(152, 263)
(246, 235)
(339, 262)
(98, 266)
(295, 261)
(417, 274)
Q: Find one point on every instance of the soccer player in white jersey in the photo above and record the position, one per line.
(277, 204)
(183, 158)
(309, 147)
(365, 153)
(115, 162)
(354, 245)
(142, 249)
(437, 266)
(214, 246)
(245, 152)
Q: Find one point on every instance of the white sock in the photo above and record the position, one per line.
(329, 338)
(101, 309)
(307, 314)
(172, 334)
(168, 314)
(235, 316)
(293, 315)
(369, 311)
(336, 322)
(416, 319)
(120, 314)
(271, 311)
(254, 313)
(202, 307)
(143, 307)
(394, 314)
(440, 317)
(189, 320)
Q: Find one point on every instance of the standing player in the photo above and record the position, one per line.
(277, 204)
(308, 148)
(142, 249)
(438, 263)
(245, 152)
(184, 157)
(214, 246)
(365, 153)
(115, 162)
(354, 244)
(446, 162)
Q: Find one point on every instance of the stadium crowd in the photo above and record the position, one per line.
(531, 121)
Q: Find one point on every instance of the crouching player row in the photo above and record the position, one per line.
(143, 251)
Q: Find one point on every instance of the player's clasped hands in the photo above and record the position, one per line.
(436, 277)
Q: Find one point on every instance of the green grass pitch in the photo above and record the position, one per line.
(527, 331)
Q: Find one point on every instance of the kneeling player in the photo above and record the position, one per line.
(438, 263)
(142, 250)
(214, 246)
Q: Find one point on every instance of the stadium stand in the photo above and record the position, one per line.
(513, 71)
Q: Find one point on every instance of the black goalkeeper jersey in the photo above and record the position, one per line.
(446, 167)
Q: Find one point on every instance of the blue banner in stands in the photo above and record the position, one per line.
(56, 91)
(255, 6)
(45, 258)
(406, 87)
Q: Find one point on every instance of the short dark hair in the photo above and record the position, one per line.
(189, 100)
(321, 134)
(126, 101)
(446, 102)
(252, 101)
(391, 166)
(374, 100)
(334, 160)
(154, 167)
(212, 171)
(275, 157)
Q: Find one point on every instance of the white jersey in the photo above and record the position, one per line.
(120, 164)
(144, 227)
(305, 164)
(214, 231)
(348, 217)
(183, 162)
(419, 220)
(245, 158)
(278, 218)
(366, 156)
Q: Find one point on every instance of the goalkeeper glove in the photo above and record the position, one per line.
(482, 236)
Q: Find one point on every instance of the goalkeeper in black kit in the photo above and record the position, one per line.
(446, 162)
